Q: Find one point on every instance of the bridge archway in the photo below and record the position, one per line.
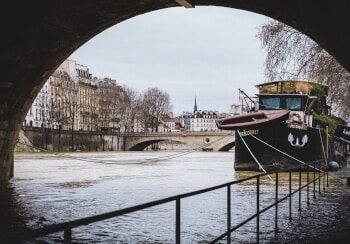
(38, 36)
(142, 145)
(214, 141)
(227, 147)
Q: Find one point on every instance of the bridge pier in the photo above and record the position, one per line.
(8, 137)
(12, 113)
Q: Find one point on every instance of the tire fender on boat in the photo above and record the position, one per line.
(292, 114)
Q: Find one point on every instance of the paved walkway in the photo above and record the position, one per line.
(325, 220)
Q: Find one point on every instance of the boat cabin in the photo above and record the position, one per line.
(302, 98)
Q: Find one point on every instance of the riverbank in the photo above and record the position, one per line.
(325, 220)
(24, 145)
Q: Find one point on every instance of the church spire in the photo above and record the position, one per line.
(195, 104)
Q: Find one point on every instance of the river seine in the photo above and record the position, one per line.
(49, 189)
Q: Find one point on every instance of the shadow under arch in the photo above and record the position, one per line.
(227, 147)
(38, 36)
(143, 145)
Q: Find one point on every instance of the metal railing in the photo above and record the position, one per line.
(315, 169)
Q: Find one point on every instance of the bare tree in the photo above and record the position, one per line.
(116, 99)
(293, 55)
(155, 103)
(129, 103)
(72, 109)
(64, 103)
(56, 115)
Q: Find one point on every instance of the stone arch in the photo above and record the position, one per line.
(38, 36)
(141, 145)
(227, 147)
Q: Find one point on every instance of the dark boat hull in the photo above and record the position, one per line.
(292, 148)
(342, 134)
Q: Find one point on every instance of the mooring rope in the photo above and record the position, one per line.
(323, 150)
(253, 155)
(301, 162)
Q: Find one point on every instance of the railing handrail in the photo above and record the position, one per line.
(99, 217)
(68, 226)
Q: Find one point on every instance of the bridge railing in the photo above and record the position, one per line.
(314, 170)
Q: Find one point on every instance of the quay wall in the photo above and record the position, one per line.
(37, 139)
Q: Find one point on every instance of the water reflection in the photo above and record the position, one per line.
(14, 215)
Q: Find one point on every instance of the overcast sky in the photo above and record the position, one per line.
(207, 52)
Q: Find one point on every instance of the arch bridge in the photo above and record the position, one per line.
(206, 141)
(37, 36)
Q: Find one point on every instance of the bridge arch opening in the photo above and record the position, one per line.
(143, 145)
(54, 30)
(157, 143)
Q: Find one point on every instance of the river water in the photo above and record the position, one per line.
(49, 189)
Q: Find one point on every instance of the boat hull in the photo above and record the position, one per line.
(278, 147)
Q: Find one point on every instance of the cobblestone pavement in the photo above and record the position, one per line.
(325, 220)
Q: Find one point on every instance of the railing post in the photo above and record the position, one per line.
(178, 218)
(276, 202)
(290, 195)
(314, 180)
(68, 236)
(299, 189)
(257, 208)
(324, 177)
(229, 214)
(319, 177)
(307, 186)
(327, 175)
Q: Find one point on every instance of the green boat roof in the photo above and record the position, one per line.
(289, 87)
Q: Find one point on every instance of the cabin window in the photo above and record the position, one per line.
(273, 103)
(291, 103)
(270, 102)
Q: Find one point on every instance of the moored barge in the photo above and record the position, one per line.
(280, 132)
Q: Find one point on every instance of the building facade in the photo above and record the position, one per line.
(72, 100)
(38, 114)
(203, 121)
(68, 100)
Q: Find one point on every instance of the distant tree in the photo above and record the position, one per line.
(56, 115)
(64, 103)
(132, 108)
(115, 112)
(293, 55)
(155, 103)
(129, 110)
(72, 108)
